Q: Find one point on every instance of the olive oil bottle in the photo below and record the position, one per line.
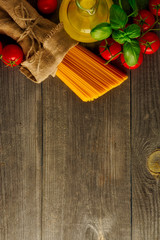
(80, 16)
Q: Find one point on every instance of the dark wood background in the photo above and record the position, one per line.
(71, 170)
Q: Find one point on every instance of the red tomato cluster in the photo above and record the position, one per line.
(109, 49)
(149, 41)
(145, 20)
(11, 55)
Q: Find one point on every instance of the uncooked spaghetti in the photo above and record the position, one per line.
(86, 74)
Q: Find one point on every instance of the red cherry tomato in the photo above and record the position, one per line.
(12, 55)
(0, 48)
(47, 6)
(145, 20)
(154, 7)
(149, 43)
(109, 48)
(140, 60)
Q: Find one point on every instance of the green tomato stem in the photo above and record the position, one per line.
(130, 15)
(5, 62)
(150, 29)
(120, 4)
(157, 17)
(113, 57)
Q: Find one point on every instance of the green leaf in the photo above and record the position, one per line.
(133, 4)
(118, 36)
(131, 52)
(141, 4)
(118, 17)
(101, 31)
(133, 31)
(125, 5)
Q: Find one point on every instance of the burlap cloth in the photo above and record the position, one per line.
(43, 42)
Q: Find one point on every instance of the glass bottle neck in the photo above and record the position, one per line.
(87, 7)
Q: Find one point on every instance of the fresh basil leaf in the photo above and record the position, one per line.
(131, 52)
(133, 4)
(101, 31)
(133, 31)
(141, 4)
(125, 4)
(118, 36)
(118, 17)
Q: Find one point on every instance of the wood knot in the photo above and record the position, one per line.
(153, 163)
(93, 233)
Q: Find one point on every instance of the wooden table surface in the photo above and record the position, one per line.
(71, 170)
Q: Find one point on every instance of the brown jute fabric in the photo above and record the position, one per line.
(43, 42)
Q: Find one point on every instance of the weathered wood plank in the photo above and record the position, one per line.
(145, 140)
(86, 162)
(20, 156)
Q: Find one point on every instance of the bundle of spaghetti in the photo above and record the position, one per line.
(86, 74)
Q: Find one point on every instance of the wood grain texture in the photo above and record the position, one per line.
(20, 156)
(67, 171)
(86, 163)
(145, 140)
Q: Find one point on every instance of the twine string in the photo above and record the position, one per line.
(22, 14)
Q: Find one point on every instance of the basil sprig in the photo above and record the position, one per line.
(101, 31)
(120, 33)
(131, 52)
(118, 17)
(119, 36)
(134, 6)
(131, 32)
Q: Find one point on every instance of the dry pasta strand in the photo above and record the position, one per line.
(86, 75)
